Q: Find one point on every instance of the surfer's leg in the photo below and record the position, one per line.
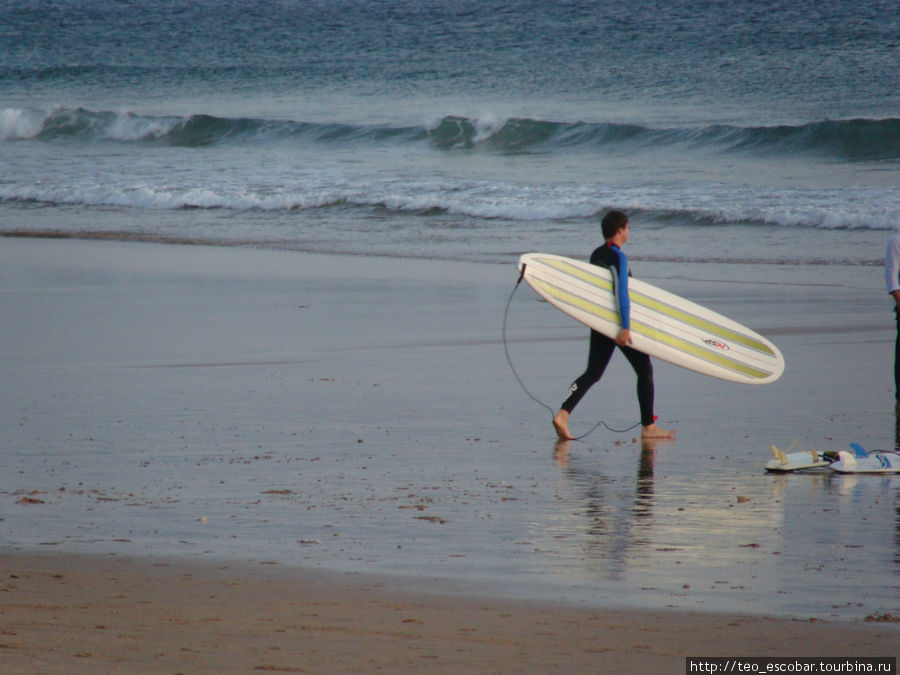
(643, 368)
(601, 349)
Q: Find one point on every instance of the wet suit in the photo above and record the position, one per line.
(611, 257)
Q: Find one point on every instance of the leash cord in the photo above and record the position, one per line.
(522, 384)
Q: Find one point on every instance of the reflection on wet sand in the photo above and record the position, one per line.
(612, 517)
(720, 534)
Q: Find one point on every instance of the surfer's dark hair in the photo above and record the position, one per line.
(613, 222)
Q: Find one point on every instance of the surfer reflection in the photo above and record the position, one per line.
(643, 501)
(616, 519)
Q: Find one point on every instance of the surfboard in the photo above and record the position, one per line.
(786, 462)
(663, 325)
(865, 461)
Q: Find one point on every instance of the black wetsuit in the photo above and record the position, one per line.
(601, 346)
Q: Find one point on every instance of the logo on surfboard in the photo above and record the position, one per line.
(716, 344)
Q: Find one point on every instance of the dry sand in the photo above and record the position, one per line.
(62, 613)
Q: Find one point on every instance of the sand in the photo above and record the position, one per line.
(227, 459)
(63, 613)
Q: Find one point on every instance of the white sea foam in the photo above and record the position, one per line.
(845, 209)
(129, 127)
(18, 124)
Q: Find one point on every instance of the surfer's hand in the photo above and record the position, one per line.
(624, 337)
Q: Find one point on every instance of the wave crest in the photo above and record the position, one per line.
(849, 140)
(853, 140)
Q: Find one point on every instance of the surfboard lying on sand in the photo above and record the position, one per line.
(785, 462)
(663, 324)
(855, 460)
(861, 460)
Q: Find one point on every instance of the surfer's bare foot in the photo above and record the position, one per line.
(654, 431)
(561, 424)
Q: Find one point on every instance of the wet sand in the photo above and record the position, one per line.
(339, 442)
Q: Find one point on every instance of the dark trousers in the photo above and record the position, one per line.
(601, 349)
(897, 359)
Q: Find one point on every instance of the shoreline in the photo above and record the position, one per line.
(104, 613)
(280, 246)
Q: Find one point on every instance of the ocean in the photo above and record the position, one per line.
(734, 130)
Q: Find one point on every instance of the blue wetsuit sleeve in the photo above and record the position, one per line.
(622, 290)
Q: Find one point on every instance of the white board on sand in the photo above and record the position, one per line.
(867, 461)
(785, 462)
(663, 324)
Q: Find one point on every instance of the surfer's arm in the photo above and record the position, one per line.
(620, 274)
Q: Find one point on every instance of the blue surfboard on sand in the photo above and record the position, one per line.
(860, 460)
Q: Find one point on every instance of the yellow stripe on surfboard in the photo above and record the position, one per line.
(660, 307)
(648, 331)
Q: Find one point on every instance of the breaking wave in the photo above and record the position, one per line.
(849, 140)
(846, 210)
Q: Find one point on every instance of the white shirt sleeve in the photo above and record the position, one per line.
(892, 264)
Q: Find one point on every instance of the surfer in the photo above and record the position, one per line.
(615, 231)
(892, 281)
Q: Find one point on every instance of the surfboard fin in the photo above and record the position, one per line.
(858, 450)
(785, 461)
(779, 455)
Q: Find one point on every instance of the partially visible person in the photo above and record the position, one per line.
(892, 281)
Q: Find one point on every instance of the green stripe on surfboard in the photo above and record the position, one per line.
(641, 328)
(660, 307)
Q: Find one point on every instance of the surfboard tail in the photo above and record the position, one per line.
(522, 266)
(780, 457)
(847, 460)
(785, 461)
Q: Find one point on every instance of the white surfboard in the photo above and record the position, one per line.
(785, 462)
(863, 461)
(663, 324)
